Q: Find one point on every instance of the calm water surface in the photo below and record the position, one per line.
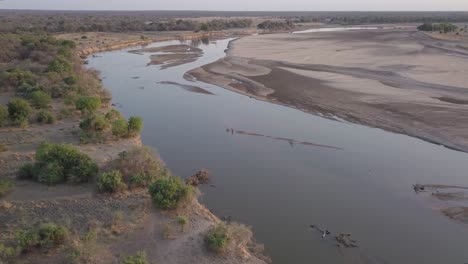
(362, 188)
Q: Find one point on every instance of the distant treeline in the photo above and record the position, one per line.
(276, 25)
(442, 27)
(121, 21)
(89, 23)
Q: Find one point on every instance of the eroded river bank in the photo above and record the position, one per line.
(345, 178)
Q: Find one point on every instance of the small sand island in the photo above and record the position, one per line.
(400, 80)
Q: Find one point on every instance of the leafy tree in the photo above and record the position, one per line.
(169, 192)
(217, 238)
(88, 104)
(135, 125)
(59, 65)
(40, 99)
(94, 123)
(111, 182)
(45, 117)
(120, 128)
(19, 110)
(56, 163)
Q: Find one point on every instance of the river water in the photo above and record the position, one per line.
(362, 185)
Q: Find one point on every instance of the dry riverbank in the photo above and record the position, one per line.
(120, 225)
(398, 80)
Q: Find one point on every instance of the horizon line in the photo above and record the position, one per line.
(202, 10)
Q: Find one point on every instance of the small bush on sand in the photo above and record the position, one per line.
(113, 115)
(56, 163)
(135, 125)
(169, 192)
(5, 187)
(140, 167)
(3, 115)
(94, 123)
(217, 238)
(139, 258)
(45, 117)
(19, 111)
(40, 99)
(119, 127)
(111, 182)
(88, 104)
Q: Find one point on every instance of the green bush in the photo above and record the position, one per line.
(139, 258)
(3, 115)
(140, 167)
(217, 238)
(59, 65)
(52, 235)
(45, 117)
(120, 128)
(5, 187)
(94, 123)
(169, 192)
(135, 125)
(56, 163)
(26, 239)
(113, 115)
(51, 173)
(71, 80)
(46, 237)
(88, 104)
(19, 110)
(111, 182)
(40, 99)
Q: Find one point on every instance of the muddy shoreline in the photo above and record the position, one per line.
(372, 93)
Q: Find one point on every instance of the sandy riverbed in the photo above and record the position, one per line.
(399, 80)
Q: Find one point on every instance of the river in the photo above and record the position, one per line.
(359, 182)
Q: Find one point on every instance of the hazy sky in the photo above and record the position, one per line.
(241, 5)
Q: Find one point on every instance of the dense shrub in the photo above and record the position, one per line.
(46, 237)
(111, 182)
(140, 166)
(27, 171)
(120, 128)
(135, 125)
(59, 65)
(51, 235)
(19, 110)
(71, 80)
(169, 192)
(113, 115)
(45, 117)
(139, 258)
(58, 163)
(5, 187)
(40, 99)
(26, 239)
(94, 123)
(88, 103)
(217, 238)
(3, 115)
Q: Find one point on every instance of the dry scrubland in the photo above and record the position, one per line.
(403, 81)
(127, 208)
